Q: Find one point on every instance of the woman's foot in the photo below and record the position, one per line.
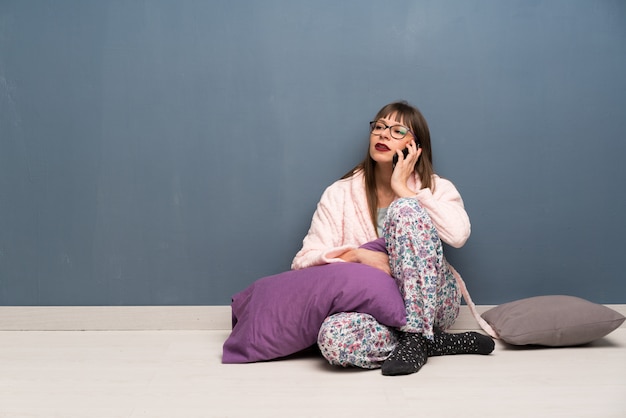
(461, 343)
(408, 357)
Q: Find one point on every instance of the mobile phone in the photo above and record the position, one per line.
(405, 152)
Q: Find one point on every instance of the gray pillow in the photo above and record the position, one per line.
(555, 321)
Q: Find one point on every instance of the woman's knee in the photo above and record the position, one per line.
(408, 224)
(404, 207)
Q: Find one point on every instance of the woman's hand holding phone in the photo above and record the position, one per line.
(405, 153)
(404, 164)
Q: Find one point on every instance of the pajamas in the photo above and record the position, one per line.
(428, 287)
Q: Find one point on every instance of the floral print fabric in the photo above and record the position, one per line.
(431, 296)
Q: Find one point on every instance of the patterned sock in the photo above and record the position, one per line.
(462, 343)
(408, 357)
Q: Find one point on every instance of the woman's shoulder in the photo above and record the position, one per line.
(443, 185)
(345, 188)
(437, 179)
(347, 183)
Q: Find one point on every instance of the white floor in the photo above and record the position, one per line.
(179, 374)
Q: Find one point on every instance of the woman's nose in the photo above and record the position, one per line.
(386, 133)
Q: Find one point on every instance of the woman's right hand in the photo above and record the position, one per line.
(404, 169)
(371, 258)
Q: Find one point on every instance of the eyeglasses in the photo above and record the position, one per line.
(396, 131)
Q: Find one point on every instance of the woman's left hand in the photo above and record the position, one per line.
(372, 258)
(404, 170)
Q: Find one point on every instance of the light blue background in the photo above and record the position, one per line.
(172, 152)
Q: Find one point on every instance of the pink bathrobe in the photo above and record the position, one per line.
(342, 222)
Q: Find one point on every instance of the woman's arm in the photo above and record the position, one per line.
(447, 212)
(324, 242)
(340, 225)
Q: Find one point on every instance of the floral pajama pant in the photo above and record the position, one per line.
(430, 292)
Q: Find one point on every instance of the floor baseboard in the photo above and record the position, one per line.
(136, 318)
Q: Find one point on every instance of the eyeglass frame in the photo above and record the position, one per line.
(372, 123)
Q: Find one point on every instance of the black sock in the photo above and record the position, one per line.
(462, 343)
(408, 357)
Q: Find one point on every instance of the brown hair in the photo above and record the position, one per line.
(415, 121)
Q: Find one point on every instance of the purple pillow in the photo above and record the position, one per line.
(280, 315)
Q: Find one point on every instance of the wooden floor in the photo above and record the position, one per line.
(179, 374)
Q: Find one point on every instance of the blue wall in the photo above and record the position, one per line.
(172, 152)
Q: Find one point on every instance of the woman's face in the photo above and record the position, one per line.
(384, 141)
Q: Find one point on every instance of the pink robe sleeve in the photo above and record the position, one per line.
(447, 211)
(323, 243)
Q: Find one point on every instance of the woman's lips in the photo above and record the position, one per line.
(381, 147)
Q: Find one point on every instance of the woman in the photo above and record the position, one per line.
(410, 210)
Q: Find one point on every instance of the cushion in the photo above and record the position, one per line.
(554, 321)
(281, 314)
